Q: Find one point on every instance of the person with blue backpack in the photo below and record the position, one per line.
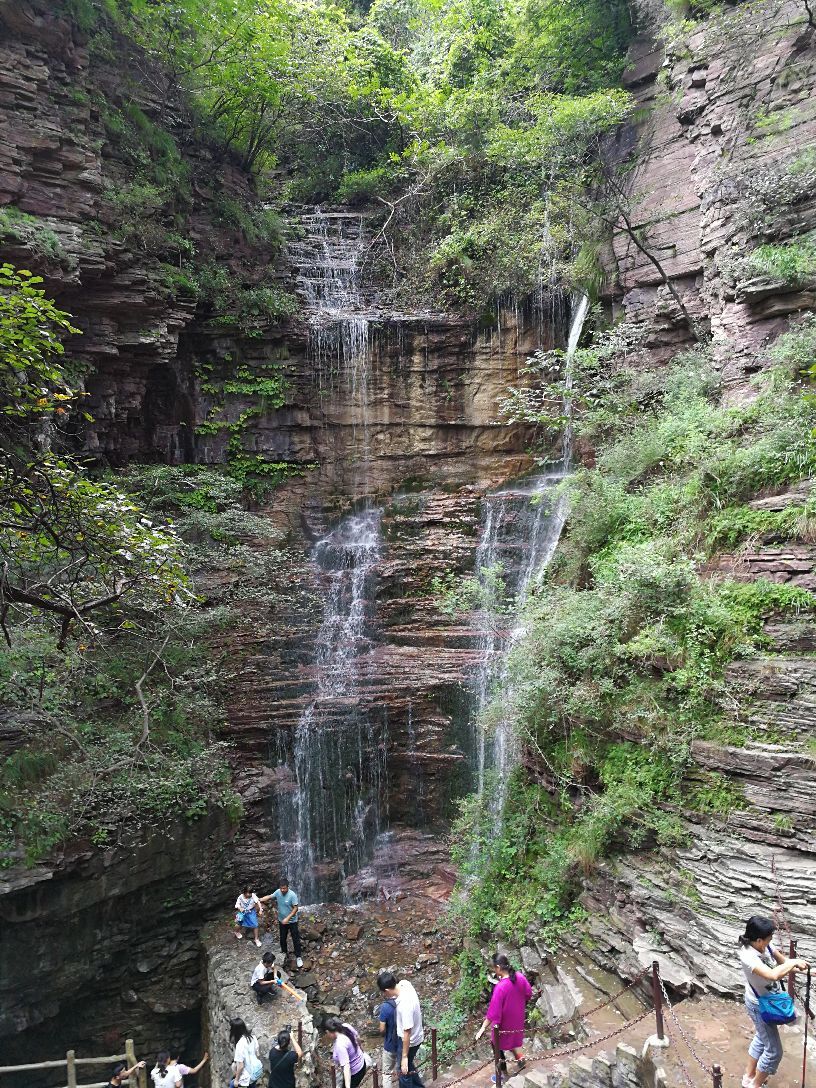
(247, 1068)
(767, 1002)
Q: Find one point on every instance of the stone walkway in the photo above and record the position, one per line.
(718, 1030)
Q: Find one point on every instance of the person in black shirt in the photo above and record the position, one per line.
(282, 1061)
(121, 1072)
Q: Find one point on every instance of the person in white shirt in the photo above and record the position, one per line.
(763, 966)
(247, 1068)
(265, 978)
(247, 909)
(410, 1032)
(164, 1074)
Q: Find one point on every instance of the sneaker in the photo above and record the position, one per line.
(747, 1082)
(299, 962)
(257, 943)
(240, 936)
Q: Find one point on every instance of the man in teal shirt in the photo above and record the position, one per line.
(288, 907)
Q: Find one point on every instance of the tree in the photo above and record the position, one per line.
(71, 547)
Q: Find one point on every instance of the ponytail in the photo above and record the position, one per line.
(284, 1038)
(335, 1024)
(757, 928)
(503, 962)
(162, 1061)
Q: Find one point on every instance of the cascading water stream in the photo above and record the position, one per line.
(521, 527)
(338, 750)
(337, 754)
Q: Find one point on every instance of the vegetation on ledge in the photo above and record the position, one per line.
(622, 663)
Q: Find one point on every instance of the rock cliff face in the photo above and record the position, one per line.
(724, 161)
(106, 943)
(423, 443)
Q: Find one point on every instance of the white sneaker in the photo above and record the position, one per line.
(299, 962)
(257, 943)
(240, 936)
(747, 1082)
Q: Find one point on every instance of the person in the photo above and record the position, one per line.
(507, 1011)
(121, 1072)
(163, 1074)
(246, 1068)
(410, 1033)
(387, 1015)
(288, 908)
(763, 967)
(347, 1053)
(247, 909)
(265, 979)
(282, 1060)
(186, 1070)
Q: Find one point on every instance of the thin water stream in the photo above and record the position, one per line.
(521, 527)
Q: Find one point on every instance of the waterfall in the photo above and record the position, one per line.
(521, 527)
(329, 258)
(337, 756)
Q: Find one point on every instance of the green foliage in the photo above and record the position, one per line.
(20, 228)
(716, 795)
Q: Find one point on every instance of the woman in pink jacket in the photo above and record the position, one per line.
(507, 1011)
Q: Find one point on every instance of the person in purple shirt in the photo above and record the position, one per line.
(507, 1011)
(347, 1053)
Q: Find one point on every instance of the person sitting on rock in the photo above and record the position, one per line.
(347, 1053)
(288, 908)
(163, 1074)
(763, 967)
(247, 909)
(186, 1070)
(410, 1033)
(265, 979)
(282, 1060)
(507, 1012)
(121, 1072)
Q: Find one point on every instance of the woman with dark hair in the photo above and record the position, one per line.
(247, 1068)
(247, 909)
(763, 967)
(186, 1070)
(163, 1074)
(347, 1053)
(507, 1011)
(282, 1061)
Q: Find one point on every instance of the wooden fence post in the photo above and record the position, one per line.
(717, 1076)
(71, 1063)
(375, 1073)
(791, 976)
(300, 1034)
(497, 1057)
(657, 997)
(130, 1058)
(334, 1075)
(434, 1061)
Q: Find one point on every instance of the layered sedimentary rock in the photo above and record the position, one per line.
(724, 163)
(105, 944)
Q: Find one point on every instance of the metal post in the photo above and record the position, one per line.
(497, 1057)
(434, 1065)
(334, 1075)
(791, 976)
(300, 1034)
(71, 1062)
(717, 1076)
(657, 997)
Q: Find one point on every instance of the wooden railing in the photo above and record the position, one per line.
(70, 1062)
